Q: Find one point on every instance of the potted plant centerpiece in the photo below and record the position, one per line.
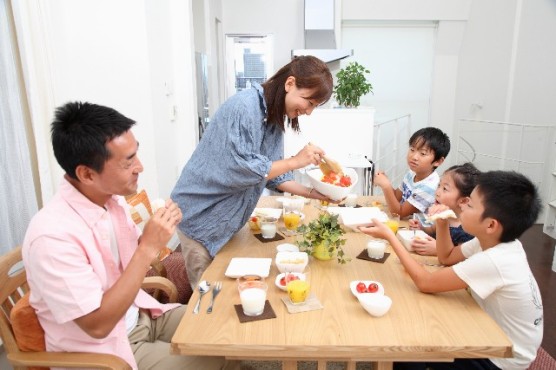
(322, 238)
(351, 85)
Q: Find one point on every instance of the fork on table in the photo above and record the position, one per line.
(217, 288)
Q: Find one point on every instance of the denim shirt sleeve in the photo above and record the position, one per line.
(222, 182)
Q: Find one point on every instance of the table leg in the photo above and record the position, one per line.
(289, 365)
(321, 365)
(351, 365)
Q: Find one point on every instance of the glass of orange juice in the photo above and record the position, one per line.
(292, 215)
(393, 222)
(299, 289)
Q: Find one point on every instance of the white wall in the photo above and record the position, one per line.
(135, 56)
(283, 19)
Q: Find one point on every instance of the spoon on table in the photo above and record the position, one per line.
(204, 287)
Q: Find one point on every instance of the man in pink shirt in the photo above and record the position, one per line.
(85, 258)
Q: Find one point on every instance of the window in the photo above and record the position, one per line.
(249, 59)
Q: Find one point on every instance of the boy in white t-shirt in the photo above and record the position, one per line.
(493, 265)
(428, 147)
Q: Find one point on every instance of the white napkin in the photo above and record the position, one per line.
(354, 217)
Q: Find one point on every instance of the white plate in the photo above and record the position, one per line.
(267, 212)
(353, 285)
(248, 266)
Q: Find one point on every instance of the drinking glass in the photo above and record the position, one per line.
(252, 294)
(292, 215)
(299, 288)
(393, 222)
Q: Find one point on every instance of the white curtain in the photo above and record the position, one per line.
(17, 194)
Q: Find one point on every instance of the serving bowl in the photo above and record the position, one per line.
(291, 261)
(332, 191)
(375, 304)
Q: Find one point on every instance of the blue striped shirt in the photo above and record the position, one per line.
(419, 194)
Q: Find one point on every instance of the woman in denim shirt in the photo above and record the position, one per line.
(241, 153)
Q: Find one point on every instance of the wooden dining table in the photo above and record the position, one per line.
(418, 326)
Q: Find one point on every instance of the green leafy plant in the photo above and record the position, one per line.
(326, 230)
(351, 85)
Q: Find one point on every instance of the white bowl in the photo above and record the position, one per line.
(287, 247)
(279, 277)
(407, 236)
(332, 191)
(375, 305)
(353, 287)
(291, 261)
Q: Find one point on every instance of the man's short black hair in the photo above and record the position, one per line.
(80, 132)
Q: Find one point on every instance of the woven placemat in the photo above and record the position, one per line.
(264, 240)
(268, 313)
(311, 303)
(365, 256)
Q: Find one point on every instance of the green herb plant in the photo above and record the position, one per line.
(351, 85)
(324, 229)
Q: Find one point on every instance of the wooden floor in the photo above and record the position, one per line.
(540, 251)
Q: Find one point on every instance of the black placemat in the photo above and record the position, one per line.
(365, 256)
(268, 313)
(276, 238)
(356, 206)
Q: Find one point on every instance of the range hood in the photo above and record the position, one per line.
(320, 36)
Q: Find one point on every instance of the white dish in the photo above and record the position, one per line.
(353, 285)
(355, 217)
(248, 266)
(279, 277)
(375, 305)
(332, 191)
(267, 212)
(287, 247)
(406, 236)
(291, 261)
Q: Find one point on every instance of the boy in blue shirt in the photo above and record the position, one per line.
(428, 147)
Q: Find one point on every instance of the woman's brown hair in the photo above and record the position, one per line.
(309, 73)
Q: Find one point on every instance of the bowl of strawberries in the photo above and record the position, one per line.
(334, 186)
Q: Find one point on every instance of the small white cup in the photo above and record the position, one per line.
(376, 248)
(351, 200)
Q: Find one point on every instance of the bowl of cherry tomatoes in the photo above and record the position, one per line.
(333, 186)
(370, 287)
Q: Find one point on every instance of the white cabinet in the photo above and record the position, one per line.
(346, 135)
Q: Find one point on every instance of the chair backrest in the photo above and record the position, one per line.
(13, 286)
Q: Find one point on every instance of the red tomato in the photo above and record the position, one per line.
(345, 181)
(373, 288)
(361, 287)
(254, 219)
(283, 281)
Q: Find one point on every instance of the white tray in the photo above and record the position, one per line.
(248, 266)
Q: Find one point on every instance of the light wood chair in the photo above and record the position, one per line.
(13, 286)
